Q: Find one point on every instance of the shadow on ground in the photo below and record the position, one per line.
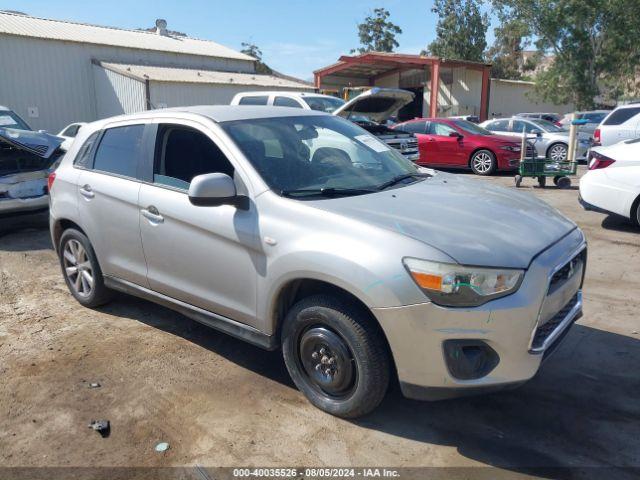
(581, 410)
(619, 224)
(37, 224)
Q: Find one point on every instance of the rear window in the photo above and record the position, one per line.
(499, 125)
(286, 102)
(119, 150)
(254, 100)
(621, 115)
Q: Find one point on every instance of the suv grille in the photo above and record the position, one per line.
(544, 330)
(406, 146)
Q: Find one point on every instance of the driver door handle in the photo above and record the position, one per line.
(151, 213)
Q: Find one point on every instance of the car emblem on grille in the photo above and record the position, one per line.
(404, 146)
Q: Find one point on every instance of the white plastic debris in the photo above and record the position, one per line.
(162, 447)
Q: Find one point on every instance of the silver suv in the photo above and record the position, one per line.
(299, 230)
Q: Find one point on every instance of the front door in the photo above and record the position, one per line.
(446, 150)
(205, 256)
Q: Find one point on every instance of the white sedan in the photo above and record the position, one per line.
(69, 133)
(612, 184)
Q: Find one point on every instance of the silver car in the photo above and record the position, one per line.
(550, 141)
(360, 266)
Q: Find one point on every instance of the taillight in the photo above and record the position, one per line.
(50, 179)
(597, 161)
(596, 136)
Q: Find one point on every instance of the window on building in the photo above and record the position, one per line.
(119, 150)
(183, 153)
(286, 102)
(254, 100)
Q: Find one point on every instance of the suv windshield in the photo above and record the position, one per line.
(8, 119)
(319, 155)
(547, 126)
(323, 104)
(471, 128)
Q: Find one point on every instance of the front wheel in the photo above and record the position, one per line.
(336, 355)
(483, 162)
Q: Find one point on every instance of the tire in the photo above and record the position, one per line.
(563, 182)
(557, 152)
(542, 182)
(635, 213)
(483, 162)
(555, 179)
(81, 270)
(518, 180)
(336, 355)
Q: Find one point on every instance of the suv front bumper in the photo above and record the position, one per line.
(442, 352)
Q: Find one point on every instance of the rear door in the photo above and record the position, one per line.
(108, 188)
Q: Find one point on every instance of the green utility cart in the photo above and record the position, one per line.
(541, 167)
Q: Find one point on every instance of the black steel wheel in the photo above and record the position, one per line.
(336, 355)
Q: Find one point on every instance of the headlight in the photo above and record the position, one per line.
(511, 148)
(454, 285)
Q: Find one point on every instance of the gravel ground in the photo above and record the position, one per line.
(220, 402)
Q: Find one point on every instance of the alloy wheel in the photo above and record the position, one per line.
(77, 268)
(482, 162)
(558, 153)
(327, 362)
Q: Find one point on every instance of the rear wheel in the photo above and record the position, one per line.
(336, 355)
(635, 213)
(563, 182)
(81, 270)
(483, 162)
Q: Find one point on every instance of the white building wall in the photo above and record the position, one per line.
(171, 94)
(117, 94)
(56, 77)
(508, 97)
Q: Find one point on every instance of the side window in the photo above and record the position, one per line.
(413, 127)
(254, 100)
(119, 150)
(518, 125)
(499, 126)
(440, 129)
(621, 115)
(286, 102)
(83, 158)
(183, 153)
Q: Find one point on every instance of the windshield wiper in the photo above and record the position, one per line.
(399, 178)
(325, 192)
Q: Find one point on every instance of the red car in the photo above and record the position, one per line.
(457, 143)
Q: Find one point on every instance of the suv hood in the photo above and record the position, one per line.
(39, 143)
(377, 104)
(473, 222)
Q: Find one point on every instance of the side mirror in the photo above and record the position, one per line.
(456, 135)
(537, 133)
(213, 190)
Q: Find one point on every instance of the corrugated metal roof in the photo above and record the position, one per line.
(187, 75)
(27, 26)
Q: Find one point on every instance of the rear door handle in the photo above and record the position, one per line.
(151, 213)
(86, 192)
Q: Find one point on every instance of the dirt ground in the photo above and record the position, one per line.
(220, 402)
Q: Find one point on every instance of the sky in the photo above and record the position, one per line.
(296, 36)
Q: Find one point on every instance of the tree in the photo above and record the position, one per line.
(252, 50)
(593, 43)
(377, 33)
(461, 30)
(506, 55)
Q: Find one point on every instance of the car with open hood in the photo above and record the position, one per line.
(359, 265)
(371, 109)
(26, 160)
